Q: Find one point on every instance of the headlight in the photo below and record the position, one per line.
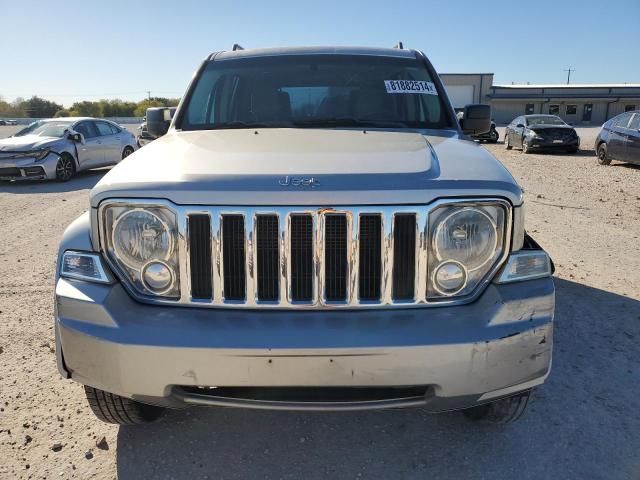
(36, 154)
(141, 240)
(466, 242)
(533, 134)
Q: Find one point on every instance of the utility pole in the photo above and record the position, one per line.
(569, 70)
(149, 94)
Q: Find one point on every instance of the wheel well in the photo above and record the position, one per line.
(75, 160)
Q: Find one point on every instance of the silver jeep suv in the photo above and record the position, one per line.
(315, 231)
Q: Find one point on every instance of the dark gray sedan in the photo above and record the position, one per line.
(619, 139)
(58, 148)
(541, 132)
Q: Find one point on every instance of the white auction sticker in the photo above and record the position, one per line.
(410, 86)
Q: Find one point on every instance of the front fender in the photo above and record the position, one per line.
(77, 236)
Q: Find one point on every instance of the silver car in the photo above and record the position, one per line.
(59, 148)
(323, 236)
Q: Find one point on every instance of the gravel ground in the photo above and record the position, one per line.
(583, 423)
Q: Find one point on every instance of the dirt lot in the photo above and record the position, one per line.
(583, 423)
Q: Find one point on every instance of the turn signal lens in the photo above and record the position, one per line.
(526, 265)
(83, 266)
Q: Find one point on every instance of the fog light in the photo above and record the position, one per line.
(157, 277)
(449, 278)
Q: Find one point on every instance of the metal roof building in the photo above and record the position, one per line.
(590, 104)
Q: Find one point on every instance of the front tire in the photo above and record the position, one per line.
(505, 410)
(525, 147)
(65, 168)
(494, 136)
(112, 408)
(603, 154)
(126, 152)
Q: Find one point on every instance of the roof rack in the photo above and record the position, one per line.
(399, 45)
(237, 47)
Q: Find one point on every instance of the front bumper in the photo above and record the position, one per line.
(462, 355)
(29, 168)
(545, 144)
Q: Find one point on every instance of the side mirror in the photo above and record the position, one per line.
(520, 125)
(158, 120)
(476, 119)
(76, 137)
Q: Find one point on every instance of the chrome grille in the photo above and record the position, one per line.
(301, 257)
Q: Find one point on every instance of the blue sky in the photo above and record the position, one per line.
(69, 51)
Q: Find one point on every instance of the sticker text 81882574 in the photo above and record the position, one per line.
(410, 86)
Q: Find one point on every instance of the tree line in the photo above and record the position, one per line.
(37, 107)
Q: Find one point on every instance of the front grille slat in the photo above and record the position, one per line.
(404, 258)
(268, 257)
(199, 226)
(370, 264)
(233, 257)
(301, 240)
(335, 258)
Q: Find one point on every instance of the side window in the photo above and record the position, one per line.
(87, 129)
(622, 121)
(104, 128)
(114, 129)
(635, 122)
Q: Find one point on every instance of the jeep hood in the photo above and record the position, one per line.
(307, 167)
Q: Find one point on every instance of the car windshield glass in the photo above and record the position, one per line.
(315, 91)
(28, 129)
(51, 129)
(544, 120)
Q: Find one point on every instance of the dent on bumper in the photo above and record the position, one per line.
(467, 354)
(26, 168)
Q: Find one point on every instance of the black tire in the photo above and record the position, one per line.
(65, 168)
(111, 408)
(505, 410)
(603, 154)
(127, 151)
(495, 136)
(507, 143)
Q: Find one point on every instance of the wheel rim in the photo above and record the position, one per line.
(64, 169)
(602, 154)
(127, 152)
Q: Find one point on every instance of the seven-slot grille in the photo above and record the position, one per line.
(289, 258)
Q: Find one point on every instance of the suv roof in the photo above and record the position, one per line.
(264, 52)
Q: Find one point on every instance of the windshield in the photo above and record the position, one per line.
(322, 91)
(28, 129)
(51, 129)
(545, 120)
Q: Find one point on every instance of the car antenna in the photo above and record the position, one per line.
(399, 45)
(237, 47)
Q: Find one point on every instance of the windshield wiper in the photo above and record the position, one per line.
(349, 122)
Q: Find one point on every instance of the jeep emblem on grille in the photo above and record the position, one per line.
(299, 182)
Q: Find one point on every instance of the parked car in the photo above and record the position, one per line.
(492, 136)
(3, 123)
(315, 231)
(143, 132)
(619, 139)
(59, 148)
(11, 122)
(541, 132)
